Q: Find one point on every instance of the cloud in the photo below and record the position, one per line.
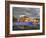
(31, 12)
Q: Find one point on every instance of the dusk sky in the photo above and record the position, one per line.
(30, 12)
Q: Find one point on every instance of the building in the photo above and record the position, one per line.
(25, 19)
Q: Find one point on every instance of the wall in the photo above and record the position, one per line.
(2, 19)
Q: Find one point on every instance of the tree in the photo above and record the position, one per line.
(14, 19)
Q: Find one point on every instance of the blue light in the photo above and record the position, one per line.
(24, 23)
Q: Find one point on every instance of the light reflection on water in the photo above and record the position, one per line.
(27, 26)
